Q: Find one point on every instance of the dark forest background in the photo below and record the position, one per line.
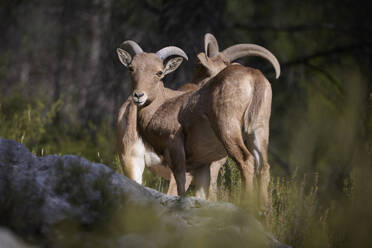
(61, 85)
(65, 50)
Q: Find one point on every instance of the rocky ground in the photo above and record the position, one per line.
(68, 201)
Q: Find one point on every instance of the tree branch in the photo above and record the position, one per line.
(327, 75)
(326, 53)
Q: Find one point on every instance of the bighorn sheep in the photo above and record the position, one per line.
(133, 152)
(198, 127)
(135, 155)
(249, 139)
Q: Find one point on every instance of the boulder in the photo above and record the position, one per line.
(68, 201)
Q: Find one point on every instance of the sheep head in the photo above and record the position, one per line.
(147, 69)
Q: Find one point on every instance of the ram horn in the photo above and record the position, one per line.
(170, 51)
(237, 51)
(132, 45)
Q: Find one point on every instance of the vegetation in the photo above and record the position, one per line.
(310, 207)
(59, 93)
(33, 123)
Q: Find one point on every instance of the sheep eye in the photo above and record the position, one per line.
(130, 68)
(159, 73)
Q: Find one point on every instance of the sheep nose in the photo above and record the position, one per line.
(138, 95)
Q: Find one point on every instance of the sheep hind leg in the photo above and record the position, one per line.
(201, 181)
(233, 142)
(259, 146)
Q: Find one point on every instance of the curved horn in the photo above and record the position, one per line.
(210, 45)
(169, 51)
(241, 50)
(131, 45)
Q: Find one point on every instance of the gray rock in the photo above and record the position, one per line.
(68, 201)
(9, 240)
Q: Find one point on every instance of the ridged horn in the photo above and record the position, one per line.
(132, 45)
(169, 51)
(241, 50)
(210, 45)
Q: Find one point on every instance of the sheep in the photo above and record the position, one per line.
(134, 155)
(167, 119)
(132, 152)
(212, 62)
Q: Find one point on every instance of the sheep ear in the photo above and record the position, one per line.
(203, 59)
(172, 65)
(124, 57)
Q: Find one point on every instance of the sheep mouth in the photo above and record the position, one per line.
(139, 102)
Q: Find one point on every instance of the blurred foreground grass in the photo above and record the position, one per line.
(325, 201)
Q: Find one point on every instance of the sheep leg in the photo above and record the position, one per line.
(176, 156)
(172, 189)
(263, 171)
(231, 137)
(214, 170)
(133, 166)
(201, 181)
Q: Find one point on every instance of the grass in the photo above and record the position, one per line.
(294, 217)
(323, 202)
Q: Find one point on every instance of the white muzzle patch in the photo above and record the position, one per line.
(140, 100)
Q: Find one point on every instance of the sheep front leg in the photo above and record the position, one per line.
(172, 190)
(214, 170)
(177, 163)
